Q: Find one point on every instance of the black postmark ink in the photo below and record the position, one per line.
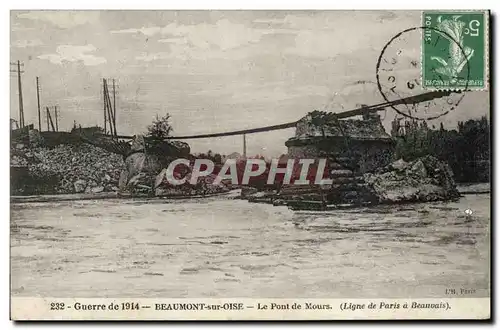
(405, 87)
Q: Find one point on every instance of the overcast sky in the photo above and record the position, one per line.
(212, 71)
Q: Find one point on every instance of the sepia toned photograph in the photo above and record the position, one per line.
(250, 165)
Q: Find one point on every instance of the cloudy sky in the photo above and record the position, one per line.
(212, 71)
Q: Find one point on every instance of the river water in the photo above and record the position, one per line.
(232, 248)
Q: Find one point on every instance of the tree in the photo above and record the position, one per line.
(467, 150)
(160, 128)
(217, 159)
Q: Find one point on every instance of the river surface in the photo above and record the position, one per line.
(232, 248)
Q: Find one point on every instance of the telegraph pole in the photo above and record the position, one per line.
(114, 105)
(107, 99)
(104, 97)
(20, 92)
(38, 100)
(57, 125)
(109, 106)
(21, 110)
(244, 145)
(47, 114)
(49, 119)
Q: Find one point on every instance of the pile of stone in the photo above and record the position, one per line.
(68, 169)
(18, 159)
(145, 171)
(205, 186)
(423, 180)
(347, 188)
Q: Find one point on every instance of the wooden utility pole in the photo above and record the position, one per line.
(104, 98)
(20, 91)
(47, 114)
(38, 100)
(114, 105)
(244, 145)
(111, 116)
(57, 124)
(20, 88)
(109, 110)
(49, 118)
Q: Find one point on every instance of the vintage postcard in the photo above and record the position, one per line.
(250, 165)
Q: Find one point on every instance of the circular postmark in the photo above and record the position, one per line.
(398, 73)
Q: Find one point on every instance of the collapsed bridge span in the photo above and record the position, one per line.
(341, 115)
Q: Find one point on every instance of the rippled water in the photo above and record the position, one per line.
(232, 248)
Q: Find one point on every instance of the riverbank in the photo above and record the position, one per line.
(113, 195)
(464, 189)
(474, 188)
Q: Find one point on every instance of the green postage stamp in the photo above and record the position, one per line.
(455, 50)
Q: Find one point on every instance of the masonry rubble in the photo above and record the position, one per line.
(79, 167)
(68, 169)
(360, 163)
(86, 168)
(423, 180)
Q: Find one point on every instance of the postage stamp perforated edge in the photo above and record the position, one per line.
(486, 53)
